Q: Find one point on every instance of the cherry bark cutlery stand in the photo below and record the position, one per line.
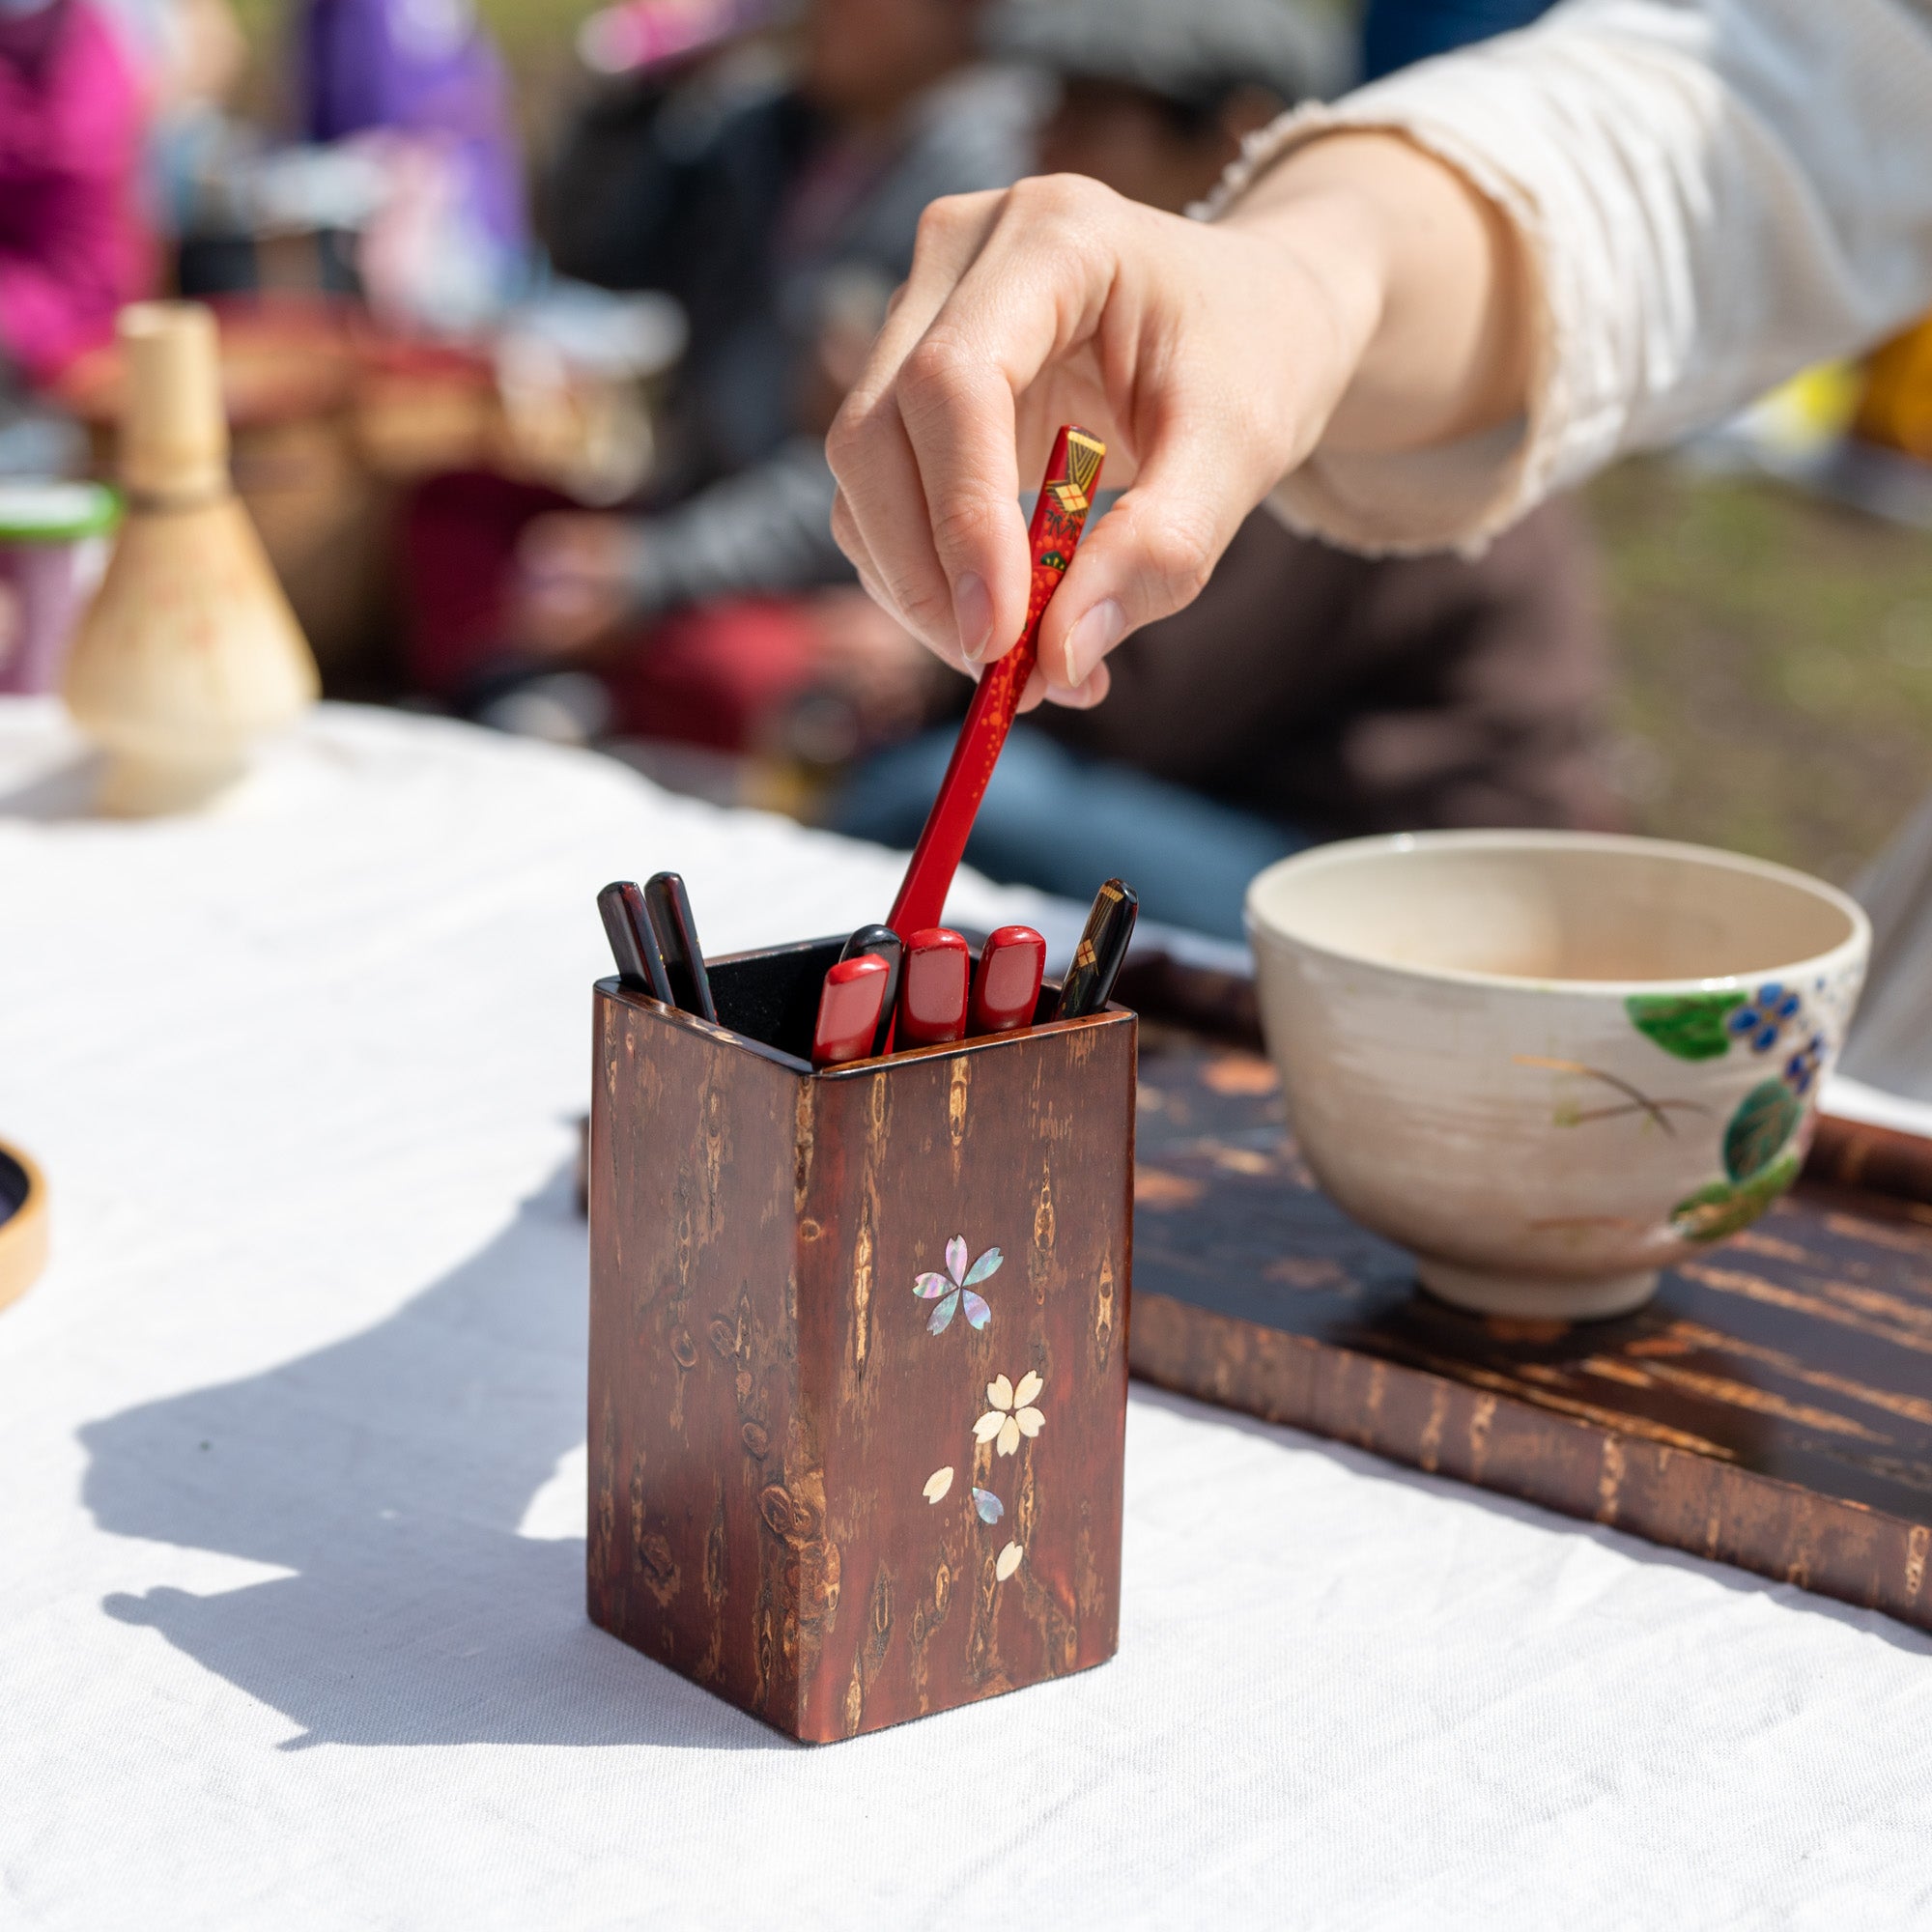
(857, 1351)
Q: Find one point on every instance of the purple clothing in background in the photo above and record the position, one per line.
(71, 251)
(418, 67)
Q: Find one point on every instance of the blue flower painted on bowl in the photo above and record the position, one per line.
(1804, 1066)
(1763, 1021)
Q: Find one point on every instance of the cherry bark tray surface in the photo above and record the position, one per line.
(1771, 1408)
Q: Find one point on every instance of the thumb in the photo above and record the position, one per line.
(1149, 556)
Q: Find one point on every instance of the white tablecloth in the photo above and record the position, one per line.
(290, 1471)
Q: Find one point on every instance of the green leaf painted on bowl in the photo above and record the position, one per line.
(1690, 1025)
(1764, 1121)
(1722, 1209)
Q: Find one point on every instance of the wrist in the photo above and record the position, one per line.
(1333, 235)
(1423, 272)
(1317, 216)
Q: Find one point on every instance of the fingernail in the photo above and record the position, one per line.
(1081, 696)
(973, 614)
(1092, 638)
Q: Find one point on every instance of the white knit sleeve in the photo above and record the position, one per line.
(1709, 193)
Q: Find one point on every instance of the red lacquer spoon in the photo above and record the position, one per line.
(1006, 989)
(849, 1005)
(933, 988)
(1072, 474)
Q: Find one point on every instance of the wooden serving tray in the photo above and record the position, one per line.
(1771, 1408)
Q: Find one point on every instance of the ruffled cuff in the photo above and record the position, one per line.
(1455, 495)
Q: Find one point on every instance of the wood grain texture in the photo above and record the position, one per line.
(1871, 1159)
(767, 1404)
(1771, 1408)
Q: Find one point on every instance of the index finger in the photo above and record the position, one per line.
(925, 450)
(1032, 293)
(880, 518)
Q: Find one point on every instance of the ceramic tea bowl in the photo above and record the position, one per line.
(1545, 1062)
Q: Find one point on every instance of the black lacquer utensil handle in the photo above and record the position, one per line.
(1101, 952)
(669, 909)
(627, 925)
(885, 942)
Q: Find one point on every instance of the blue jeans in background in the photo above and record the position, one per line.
(1062, 823)
(1398, 32)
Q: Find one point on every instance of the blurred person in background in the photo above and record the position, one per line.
(777, 199)
(399, 180)
(418, 85)
(1308, 691)
(189, 57)
(72, 248)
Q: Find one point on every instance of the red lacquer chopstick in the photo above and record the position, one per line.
(1072, 473)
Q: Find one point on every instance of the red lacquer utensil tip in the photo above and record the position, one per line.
(933, 988)
(1072, 475)
(1006, 989)
(849, 1010)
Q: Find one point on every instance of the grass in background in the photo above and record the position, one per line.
(1776, 665)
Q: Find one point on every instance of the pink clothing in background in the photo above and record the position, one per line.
(72, 250)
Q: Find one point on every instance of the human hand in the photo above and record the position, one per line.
(1358, 292)
(575, 573)
(866, 655)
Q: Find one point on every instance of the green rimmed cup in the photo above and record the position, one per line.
(53, 538)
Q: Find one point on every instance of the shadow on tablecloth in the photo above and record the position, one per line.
(389, 1473)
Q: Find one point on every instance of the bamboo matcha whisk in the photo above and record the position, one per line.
(190, 649)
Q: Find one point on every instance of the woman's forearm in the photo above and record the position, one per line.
(1426, 271)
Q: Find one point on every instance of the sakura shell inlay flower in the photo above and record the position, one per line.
(957, 1285)
(1011, 1414)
